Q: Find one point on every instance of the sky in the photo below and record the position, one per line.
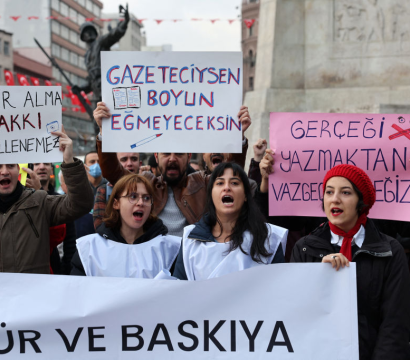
(187, 35)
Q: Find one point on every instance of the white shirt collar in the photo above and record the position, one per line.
(357, 239)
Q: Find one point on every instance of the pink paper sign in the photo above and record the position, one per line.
(309, 144)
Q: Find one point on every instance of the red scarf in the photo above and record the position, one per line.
(346, 248)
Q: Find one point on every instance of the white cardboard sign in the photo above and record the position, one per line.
(172, 101)
(281, 311)
(28, 115)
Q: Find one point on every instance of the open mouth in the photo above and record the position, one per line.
(227, 199)
(5, 182)
(216, 160)
(138, 214)
(336, 211)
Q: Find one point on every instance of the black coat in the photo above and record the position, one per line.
(156, 229)
(383, 290)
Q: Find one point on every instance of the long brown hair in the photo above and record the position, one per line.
(127, 184)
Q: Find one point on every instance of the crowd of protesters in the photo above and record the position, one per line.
(199, 220)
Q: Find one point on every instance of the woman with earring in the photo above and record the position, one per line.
(131, 241)
(383, 280)
(232, 235)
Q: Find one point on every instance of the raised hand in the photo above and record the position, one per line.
(66, 145)
(259, 149)
(34, 181)
(101, 112)
(266, 168)
(244, 119)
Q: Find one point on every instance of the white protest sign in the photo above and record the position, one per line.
(172, 101)
(28, 115)
(281, 311)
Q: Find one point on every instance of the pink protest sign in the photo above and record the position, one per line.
(309, 144)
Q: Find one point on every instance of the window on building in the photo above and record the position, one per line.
(74, 37)
(55, 4)
(74, 58)
(65, 54)
(251, 31)
(6, 48)
(251, 83)
(89, 5)
(81, 2)
(73, 15)
(74, 78)
(63, 9)
(56, 74)
(251, 58)
(0, 46)
(253, 1)
(81, 19)
(64, 32)
(55, 50)
(96, 10)
(55, 27)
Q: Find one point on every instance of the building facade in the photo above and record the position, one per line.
(250, 12)
(6, 54)
(133, 39)
(55, 24)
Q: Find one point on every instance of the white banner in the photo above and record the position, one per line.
(284, 311)
(172, 101)
(28, 116)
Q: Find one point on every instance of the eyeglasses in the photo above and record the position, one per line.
(134, 198)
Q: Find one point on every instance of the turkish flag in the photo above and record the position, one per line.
(8, 76)
(75, 109)
(249, 22)
(74, 99)
(35, 81)
(48, 83)
(22, 80)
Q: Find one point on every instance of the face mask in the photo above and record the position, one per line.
(94, 170)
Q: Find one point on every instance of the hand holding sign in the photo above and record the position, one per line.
(34, 181)
(244, 119)
(66, 145)
(101, 112)
(266, 168)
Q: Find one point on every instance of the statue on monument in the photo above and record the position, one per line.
(96, 44)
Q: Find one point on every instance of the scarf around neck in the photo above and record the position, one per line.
(346, 248)
(6, 202)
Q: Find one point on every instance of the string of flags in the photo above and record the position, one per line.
(23, 80)
(248, 22)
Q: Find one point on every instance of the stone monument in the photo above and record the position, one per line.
(330, 56)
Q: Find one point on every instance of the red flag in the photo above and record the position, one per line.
(8, 76)
(33, 17)
(249, 22)
(231, 21)
(176, 20)
(105, 19)
(64, 109)
(159, 21)
(196, 19)
(140, 20)
(52, 17)
(89, 19)
(213, 21)
(48, 83)
(74, 99)
(34, 81)
(15, 18)
(22, 80)
(75, 109)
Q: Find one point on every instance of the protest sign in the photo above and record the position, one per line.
(172, 101)
(308, 145)
(245, 315)
(28, 116)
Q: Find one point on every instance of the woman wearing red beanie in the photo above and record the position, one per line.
(383, 279)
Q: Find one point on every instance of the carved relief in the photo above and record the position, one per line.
(371, 21)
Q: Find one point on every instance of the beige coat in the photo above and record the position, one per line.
(24, 229)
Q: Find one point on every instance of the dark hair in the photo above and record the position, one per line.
(152, 161)
(128, 183)
(360, 207)
(90, 152)
(250, 217)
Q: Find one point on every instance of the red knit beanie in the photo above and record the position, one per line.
(359, 178)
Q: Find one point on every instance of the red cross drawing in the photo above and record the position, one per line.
(401, 132)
